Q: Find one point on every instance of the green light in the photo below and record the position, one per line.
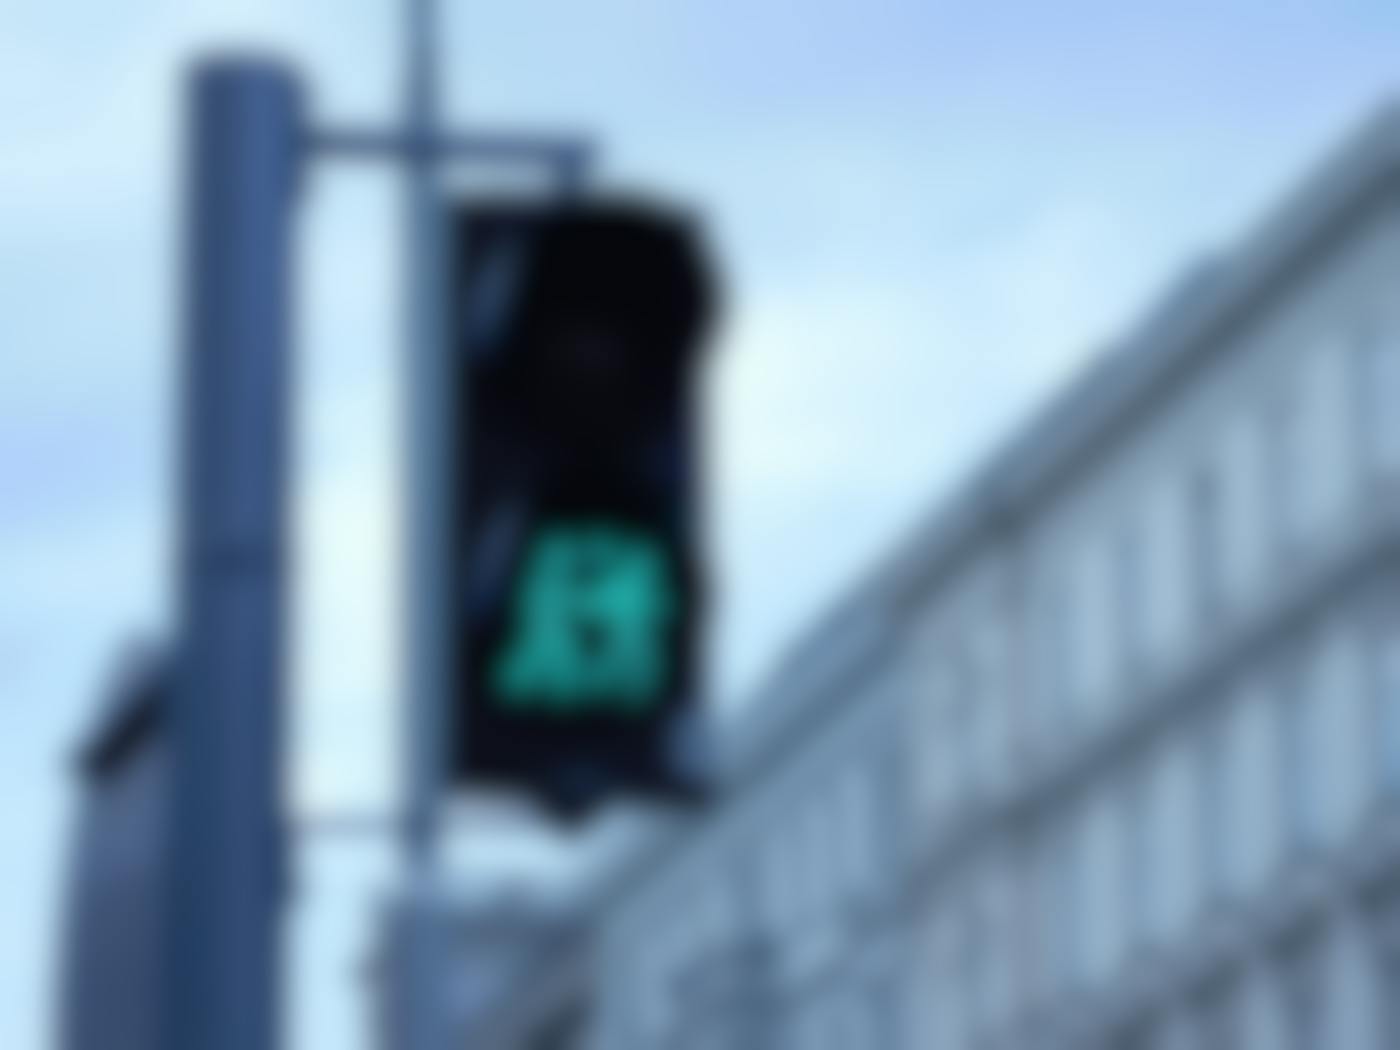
(593, 611)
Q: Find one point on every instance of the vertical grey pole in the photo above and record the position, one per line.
(227, 849)
(426, 412)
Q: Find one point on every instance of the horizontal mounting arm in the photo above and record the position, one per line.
(568, 156)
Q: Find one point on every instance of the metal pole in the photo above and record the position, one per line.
(226, 850)
(426, 410)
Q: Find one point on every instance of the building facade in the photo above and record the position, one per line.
(1108, 755)
(111, 985)
(1152, 706)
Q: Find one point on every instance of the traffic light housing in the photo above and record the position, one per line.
(578, 581)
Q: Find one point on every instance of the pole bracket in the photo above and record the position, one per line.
(569, 156)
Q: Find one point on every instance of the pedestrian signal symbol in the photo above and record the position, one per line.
(591, 623)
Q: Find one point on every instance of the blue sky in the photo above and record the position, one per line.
(930, 215)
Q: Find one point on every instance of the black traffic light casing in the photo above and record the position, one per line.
(578, 582)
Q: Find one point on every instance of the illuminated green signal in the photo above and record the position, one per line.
(592, 618)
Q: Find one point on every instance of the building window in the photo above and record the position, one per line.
(1065, 917)
(1388, 986)
(817, 862)
(1139, 1035)
(1255, 780)
(1207, 542)
(1213, 804)
(1137, 840)
(1380, 389)
(1304, 988)
(1054, 638)
(1242, 528)
(1128, 595)
(854, 1023)
(711, 921)
(1093, 614)
(1325, 467)
(1284, 484)
(921, 1006)
(937, 763)
(1387, 694)
(985, 951)
(990, 651)
(777, 876)
(857, 860)
(1338, 717)
(1047, 974)
(974, 949)
(1004, 937)
(1298, 773)
(1313, 699)
(946, 1021)
(964, 716)
(1219, 1020)
(1167, 579)
(1172, 825)
(1103, 892)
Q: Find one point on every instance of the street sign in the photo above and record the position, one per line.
(577, 584)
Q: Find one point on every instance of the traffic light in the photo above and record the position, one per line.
(578, 583)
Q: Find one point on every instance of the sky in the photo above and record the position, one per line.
(929, 216)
